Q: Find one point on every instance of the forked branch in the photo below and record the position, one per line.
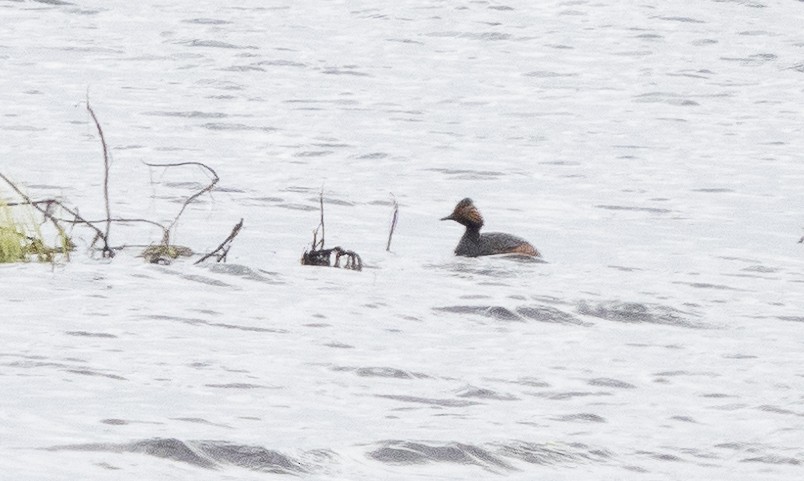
(198, 194)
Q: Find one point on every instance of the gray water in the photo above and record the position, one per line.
(650, 151)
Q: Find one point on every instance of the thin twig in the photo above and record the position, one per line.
(321, 203)
(223, 249)
(105, 174)
(393, 223)
(79, 220)
(198, 194)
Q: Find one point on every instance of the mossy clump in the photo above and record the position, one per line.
(23, 241)
(12, 245)
(163, 253)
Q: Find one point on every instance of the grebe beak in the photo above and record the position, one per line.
(449, 217)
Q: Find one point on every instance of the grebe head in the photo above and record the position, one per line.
(466, 213)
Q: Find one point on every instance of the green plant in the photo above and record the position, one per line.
(22, 240)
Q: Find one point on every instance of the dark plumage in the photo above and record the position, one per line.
(474, 244)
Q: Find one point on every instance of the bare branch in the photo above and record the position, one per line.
(223, 249)
(198, 194)
(105, 177)
(79, 220)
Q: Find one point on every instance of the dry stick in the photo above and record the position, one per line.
(321, 203)
(320, 225)
(120, 221)
(223, 249)
(393, 223)
(106, 251)
(198, 194)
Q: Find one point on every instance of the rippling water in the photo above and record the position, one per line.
(651, 151)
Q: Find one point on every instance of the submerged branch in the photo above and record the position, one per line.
(323, 257)
(319, 256)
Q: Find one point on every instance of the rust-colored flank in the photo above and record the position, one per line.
(525, 249)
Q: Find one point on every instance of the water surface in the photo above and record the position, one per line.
(651, 152)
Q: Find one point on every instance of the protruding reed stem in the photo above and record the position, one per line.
(393, 223)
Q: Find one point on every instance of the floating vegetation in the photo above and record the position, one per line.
(163, 254)
(23, 240)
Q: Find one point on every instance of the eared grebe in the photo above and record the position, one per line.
(474, 244)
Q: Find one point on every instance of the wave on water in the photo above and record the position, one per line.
(634, 312)
(388, 372)
(617, 311)
(204, 454)
(495, 457)
(409, 452)
(521, 314)
(492, 457)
